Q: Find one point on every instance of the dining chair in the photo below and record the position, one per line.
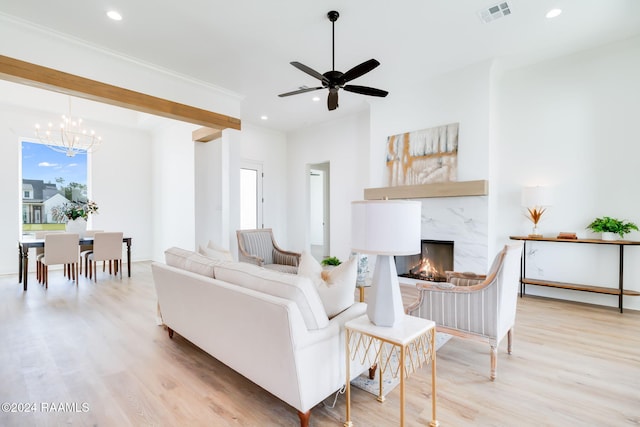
(85, 250)
(40, 251)
(107, 246)
(60, 248)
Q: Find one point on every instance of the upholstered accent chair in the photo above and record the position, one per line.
(477, 307)
(259, 247)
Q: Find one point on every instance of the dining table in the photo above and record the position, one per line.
(27, 242)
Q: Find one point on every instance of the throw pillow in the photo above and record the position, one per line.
(336, 286)
(190, 261)
(310, 267)
(215, 252)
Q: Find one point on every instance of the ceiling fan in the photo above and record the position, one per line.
(334, 80)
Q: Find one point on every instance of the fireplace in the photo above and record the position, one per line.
(435, 258)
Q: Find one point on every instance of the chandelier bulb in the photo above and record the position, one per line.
(71, 138)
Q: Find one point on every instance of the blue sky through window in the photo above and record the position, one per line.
(41, 162)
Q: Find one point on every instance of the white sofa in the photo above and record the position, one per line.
(250, 318)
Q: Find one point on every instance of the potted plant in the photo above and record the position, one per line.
(331, 261)
(610, 227)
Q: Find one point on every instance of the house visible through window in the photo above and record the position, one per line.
(49, 179)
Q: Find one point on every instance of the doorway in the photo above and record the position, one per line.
(251, 199)
(319, 209)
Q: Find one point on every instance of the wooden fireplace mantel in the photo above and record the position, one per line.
(423, 191)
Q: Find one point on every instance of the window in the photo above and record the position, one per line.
(49, 179)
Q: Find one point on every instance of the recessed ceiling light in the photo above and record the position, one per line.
(315, 99)
(114, 15)
(553, 13)
(264, 117)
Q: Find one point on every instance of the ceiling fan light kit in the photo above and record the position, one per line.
(335, 80)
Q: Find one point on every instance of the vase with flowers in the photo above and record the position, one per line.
(75, 214)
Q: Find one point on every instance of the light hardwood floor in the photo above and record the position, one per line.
(97, 349)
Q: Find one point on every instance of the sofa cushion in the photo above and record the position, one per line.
(294, 288)
(291, 269)
(190, 261)
(336, 286)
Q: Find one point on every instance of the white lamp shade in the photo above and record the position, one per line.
(536, 197)
(386, 227)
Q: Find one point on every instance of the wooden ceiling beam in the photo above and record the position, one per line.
(58, 81)
(205, 134)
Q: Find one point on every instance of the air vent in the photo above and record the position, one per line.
(492, 13)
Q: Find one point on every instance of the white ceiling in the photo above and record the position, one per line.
(246, 45)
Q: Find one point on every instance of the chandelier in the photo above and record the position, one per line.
(69, 137)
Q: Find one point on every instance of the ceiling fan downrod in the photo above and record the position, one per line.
(333, 17)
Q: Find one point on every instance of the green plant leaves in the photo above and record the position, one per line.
(611, 225)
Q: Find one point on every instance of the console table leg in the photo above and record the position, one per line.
(620, 279)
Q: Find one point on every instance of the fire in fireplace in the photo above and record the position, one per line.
(435, 258)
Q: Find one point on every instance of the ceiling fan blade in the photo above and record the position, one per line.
(332, 100)
(365, 90)
(310, 71)
(359, 70)
(295, 92)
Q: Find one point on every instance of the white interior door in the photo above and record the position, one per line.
(251, 199)
(319, 209)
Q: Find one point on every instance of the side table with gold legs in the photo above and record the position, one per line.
(401, 350)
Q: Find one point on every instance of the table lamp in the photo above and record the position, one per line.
(535, 200)
(385, 228)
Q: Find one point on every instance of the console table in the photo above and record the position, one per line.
(620, 291)
(402, 349)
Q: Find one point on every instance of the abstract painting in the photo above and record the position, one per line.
(424, 156)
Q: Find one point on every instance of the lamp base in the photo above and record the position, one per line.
(535, 232)
(384, 307)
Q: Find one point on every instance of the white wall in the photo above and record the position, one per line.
(209, 194)
(14, 122)
(344, 144)
(571, 123)
(269, 148)
(121, 185)
(458, 97)
(173, 188)
(461, 97)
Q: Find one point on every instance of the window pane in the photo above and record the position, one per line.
(49, 179)
(248, 198)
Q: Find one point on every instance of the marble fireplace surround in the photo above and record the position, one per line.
(456, 211)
